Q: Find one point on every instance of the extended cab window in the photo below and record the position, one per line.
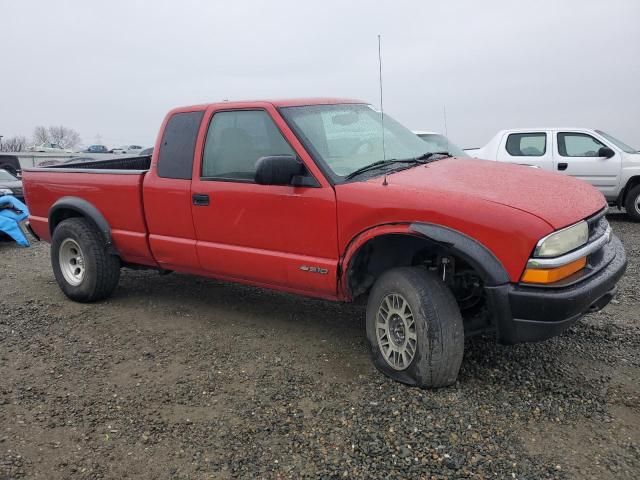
(235, 142)
(578, 145)
(175, 159)
(527, 144)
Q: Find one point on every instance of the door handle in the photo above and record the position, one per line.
(562, 166)
(200, 199)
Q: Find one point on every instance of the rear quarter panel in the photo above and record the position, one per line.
(118, 197)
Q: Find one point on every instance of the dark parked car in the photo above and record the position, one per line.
(97, 149)
(11, 164)
(10, 185)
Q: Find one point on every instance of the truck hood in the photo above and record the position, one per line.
(557, 199)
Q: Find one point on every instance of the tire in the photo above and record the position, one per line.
(632, 203)
(97, 272)
(437, 328)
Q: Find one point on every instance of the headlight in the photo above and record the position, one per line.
(563, 241)
(5, 191)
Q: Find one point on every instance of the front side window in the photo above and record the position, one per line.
(347, 137)
(578, 145)
(527, 144)
(235, 142)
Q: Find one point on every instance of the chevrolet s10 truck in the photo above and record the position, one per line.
(310, 197)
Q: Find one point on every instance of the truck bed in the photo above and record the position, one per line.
(112, 186)
(142, 163)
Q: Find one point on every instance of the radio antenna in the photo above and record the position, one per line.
(384, 151)
(444, 115)
(446, 132)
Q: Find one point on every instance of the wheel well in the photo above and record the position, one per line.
(632, 182)
(61, 215)
(400, 250)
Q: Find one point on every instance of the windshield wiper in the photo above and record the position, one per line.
(380, 164)
(429, 155)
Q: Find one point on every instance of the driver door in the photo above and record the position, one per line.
(283, 237)
(576, 154)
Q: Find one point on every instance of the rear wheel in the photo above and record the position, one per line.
(83, 269)
(632, 203)
(415, 328)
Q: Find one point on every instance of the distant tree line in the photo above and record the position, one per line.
(64, 136)
(14, 144)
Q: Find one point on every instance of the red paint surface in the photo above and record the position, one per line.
(262, 235)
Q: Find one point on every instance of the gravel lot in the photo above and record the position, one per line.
(187, 378)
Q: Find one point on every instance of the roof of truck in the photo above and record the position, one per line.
(283, 102)
(541, 129)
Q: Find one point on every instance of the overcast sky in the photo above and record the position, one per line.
(114, 68)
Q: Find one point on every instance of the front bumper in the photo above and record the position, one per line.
(530, 314)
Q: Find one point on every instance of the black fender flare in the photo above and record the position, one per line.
(84, 209)
(473, 252)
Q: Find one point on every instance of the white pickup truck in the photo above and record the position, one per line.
(590, 155)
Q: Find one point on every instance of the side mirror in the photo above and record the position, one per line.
(277, 170)
(606, 152)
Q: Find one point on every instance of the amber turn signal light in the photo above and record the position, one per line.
(551, 275)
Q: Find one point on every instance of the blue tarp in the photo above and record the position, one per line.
(10, 218)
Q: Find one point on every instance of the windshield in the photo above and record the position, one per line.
(440, 143)
(622, 146)
(6, 176)
(347, 137)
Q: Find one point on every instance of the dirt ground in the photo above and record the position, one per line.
(178, 377)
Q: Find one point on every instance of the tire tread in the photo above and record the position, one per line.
(444, 330)
(107, 266)
(629, 203)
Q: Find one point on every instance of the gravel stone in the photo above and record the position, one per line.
(178, 377)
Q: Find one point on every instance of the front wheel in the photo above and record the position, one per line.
(632, 203)
(415, 328)
(83, 268)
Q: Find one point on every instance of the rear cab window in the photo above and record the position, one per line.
(532, 144)
(175, 157)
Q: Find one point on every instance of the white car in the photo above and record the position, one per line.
(591, 155)
(133, 149)
(439, 143)
(49, 147)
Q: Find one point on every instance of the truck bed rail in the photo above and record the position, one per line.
(139, 162)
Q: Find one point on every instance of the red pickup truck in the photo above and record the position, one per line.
(325, 198)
